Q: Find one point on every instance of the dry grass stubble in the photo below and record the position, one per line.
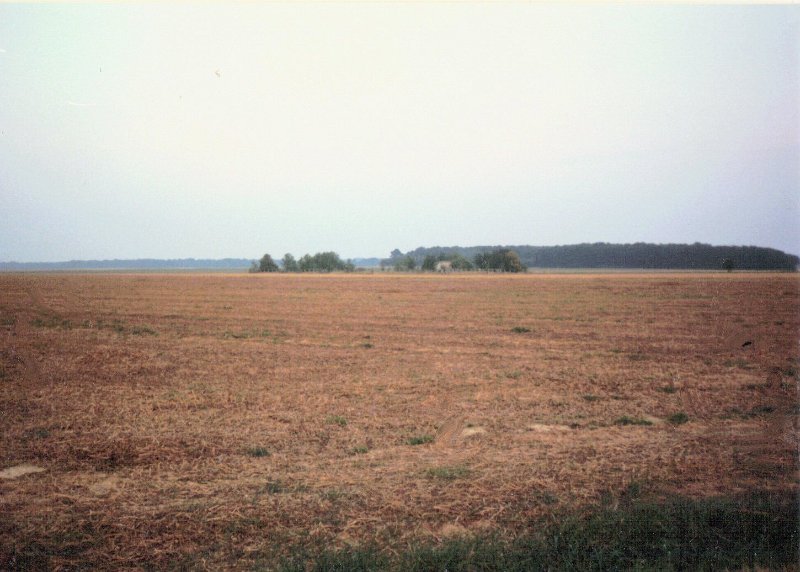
(217, 417)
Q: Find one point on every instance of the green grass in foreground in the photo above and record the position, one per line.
(678, 534)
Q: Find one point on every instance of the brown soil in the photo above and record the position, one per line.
(209, 420)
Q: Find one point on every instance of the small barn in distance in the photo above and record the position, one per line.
(444, 266)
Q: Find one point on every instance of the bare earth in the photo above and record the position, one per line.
(210, 420)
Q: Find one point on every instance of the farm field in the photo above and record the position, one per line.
(213, 421)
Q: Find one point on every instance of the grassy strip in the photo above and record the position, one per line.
(757, 531)
(678, 534)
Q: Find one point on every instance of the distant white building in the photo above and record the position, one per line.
(444, 266)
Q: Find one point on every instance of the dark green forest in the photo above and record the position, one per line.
(639, 255)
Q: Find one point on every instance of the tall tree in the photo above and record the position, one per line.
(306, 264)
(482, 261)
(460, 263)
(289, 263)
(511, 262)
(429, 263)
(266, 264)
(728, 264)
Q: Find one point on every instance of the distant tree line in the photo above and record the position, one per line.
(237, 264)
(501, 260)
(640, 255)
(320, 262)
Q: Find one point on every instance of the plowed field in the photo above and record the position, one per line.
(210, 420)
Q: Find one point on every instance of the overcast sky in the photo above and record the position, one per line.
(211, 130)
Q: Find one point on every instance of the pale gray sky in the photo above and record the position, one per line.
(217, 129)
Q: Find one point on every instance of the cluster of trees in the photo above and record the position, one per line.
(320, 262)
(502, 259)
(457, 262)
(499, 260)
(399, 262)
